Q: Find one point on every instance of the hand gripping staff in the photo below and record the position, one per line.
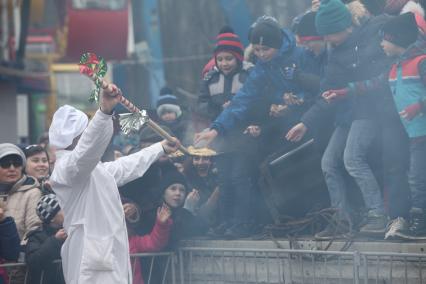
(95, 68)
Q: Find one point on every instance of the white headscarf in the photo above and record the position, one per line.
(67, 124)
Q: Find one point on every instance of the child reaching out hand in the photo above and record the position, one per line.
(154, 241)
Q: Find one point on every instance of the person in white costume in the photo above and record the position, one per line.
(96, 250)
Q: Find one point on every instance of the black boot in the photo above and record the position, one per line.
(375, 225)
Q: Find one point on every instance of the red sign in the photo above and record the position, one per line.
(99, 26)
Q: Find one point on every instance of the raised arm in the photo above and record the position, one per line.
(92, 143)
(241, 104)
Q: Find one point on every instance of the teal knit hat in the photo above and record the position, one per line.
(332, 17)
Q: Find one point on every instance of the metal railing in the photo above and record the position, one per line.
(193, 265)
(160, 268)
(217, 265)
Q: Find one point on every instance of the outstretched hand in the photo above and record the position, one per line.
(332, 95)
(253, 130)
(411, 111)
(205, 137)
(170, 146)
(278, 110)
(297, 132)
(163, 213)
(315, 5)
(291, 99)
(131, 212)
(61, 234)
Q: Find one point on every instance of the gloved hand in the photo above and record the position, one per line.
(332, 95)
(411, 111)
(289, 72)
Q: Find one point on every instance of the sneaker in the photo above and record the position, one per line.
(339, 229)
(397, 228)
(375, 224)
(417, 228)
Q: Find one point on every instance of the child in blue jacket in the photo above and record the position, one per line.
(272, 77)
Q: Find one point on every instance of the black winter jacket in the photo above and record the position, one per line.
(9, 240)
(359, 58)
(41, 251)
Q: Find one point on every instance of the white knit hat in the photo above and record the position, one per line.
(67, 124)
(7, 149)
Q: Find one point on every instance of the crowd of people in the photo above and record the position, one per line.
(349, 74)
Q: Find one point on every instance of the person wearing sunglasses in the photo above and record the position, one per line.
(19, 196)
(20, 193)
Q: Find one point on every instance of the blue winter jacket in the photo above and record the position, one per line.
(265, 84)
(9, 240)
(9, 244)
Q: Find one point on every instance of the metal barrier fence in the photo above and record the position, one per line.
(192, 265)
(159, 268)
(216, 265)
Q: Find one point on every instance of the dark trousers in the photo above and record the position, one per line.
(236, 186)
(395, 147)
(417, 173)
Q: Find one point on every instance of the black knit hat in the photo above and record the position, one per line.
(401, 30)
(172, 177)
(228, 41)
(266, 31)
(166, 91)
(306, 29)
(47, 208)
(375, 7)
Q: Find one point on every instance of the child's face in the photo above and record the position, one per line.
(37, 165)
(263, 52)
(58, 220)
(168, 116)
(391, 49)
(174, 195)
(226, 62)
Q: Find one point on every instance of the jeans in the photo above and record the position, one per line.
(236, 187)
(361, 138)
(417, 173)
(334, 170)
(347, 153)
(395, 167)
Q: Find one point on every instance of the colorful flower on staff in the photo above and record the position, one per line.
(95, 67)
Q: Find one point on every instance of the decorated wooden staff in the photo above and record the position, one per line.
(95, 68)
